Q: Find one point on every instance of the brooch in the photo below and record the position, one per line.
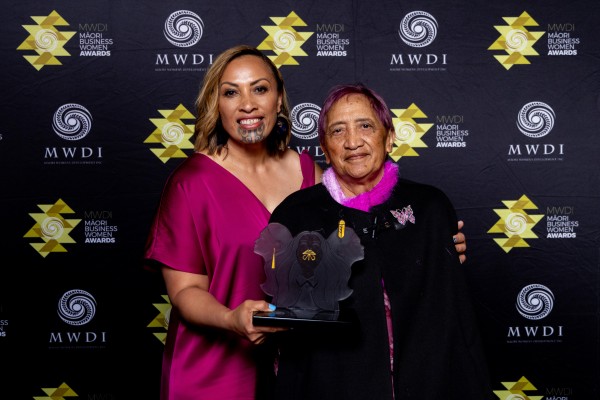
(406, 214)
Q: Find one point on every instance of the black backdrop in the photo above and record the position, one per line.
(495, 103)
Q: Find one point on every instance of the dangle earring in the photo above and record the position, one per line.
(283, 124)
(282, 130)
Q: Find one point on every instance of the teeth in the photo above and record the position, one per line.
(249, 121)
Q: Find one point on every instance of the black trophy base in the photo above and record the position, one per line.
(295, 318)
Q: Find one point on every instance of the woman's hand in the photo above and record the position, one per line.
(240, 320)
(460, 243)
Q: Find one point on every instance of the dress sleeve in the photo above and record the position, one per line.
(173, 238)
(307, 164)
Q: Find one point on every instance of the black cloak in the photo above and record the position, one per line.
(407, 245)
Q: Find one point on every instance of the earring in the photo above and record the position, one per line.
(283, 125)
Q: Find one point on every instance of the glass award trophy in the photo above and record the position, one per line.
(306, 275)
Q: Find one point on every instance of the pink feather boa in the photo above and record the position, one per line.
(364, 201)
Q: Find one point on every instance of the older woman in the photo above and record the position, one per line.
(416, 336)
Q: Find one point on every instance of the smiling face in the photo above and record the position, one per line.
(248, 99)
(356, 143)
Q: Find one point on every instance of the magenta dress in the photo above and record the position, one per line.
(207, 223)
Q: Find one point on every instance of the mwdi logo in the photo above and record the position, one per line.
(172, 133)
(183, 30)
(72, 123)
(52, 228)
(284, 40)
(535, 121)
(418, 29)
(516, 40)
(516, 390)
(523, 389)
(534, 303)
(46, 42)
(58, 393)
(409, 131)
(77, 308)
(515, 223)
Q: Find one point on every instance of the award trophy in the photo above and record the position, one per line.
(306, 275)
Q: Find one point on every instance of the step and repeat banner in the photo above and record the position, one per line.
(496, 103)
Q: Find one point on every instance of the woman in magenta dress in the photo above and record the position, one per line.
(213, 208)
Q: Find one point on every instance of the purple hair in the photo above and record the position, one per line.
(338, 92)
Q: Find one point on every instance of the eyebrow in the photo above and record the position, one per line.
(251, 83)
(358, 120)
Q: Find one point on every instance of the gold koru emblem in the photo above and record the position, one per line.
(309, 255)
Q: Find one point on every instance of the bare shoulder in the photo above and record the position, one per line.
(293, 157)
(290, 155)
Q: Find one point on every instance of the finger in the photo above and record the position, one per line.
(458, 238)
(460, 247)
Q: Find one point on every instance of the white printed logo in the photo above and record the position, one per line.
(536, 119)
(183, 28)
(305, 119)
(535, 301)
(72, 121)
(418, 29)
(76, 307)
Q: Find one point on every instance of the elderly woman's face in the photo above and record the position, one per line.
(355, 142)
(248, 99)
